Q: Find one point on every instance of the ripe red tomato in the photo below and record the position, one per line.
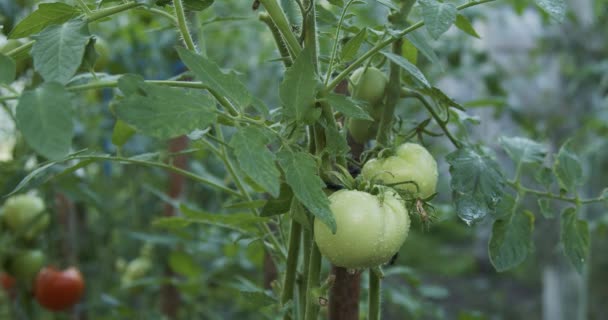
(58, 290)
(8, 281)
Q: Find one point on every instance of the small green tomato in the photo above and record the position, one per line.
(412, 162)
(20, 211)
(371, 229)
(367, 84)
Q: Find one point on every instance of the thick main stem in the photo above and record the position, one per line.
(314, 269)
(292, 264)
(393, 93)
(374, 296)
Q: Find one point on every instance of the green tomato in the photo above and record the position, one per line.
(371, 229)
(23, 211)
(412, 162)
(103, 54)
(26, 264)
(362, 130)
(368, 84)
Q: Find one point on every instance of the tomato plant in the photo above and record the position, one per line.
(59, 290)
(370, 228)
(226, 150)
(411, 163)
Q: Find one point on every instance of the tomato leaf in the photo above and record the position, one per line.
(226, 85)
(347, 107)
(298, 90)
(511, 240)
(254, 158)
(350, 49)
(163, 112)
(8, 69)
(420, 40)
(280, 204)
(301, 173)
(477, 183)
(242, 222)
(575, 238)
(464, 24)
(555, 8)
(567, 168)
(197, 5)
(184, 264)
(47, 14)
(59, 49)
(523, 150)
(545, 208)
(438, 16)
(44, 117)
(408, 67)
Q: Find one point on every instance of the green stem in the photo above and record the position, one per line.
(417, 95)
(239, 184)
(314, 269)
(278, 16)
(291, 271)
(303, 298)
(84, 7)
(393, 93)
(374, 296)
(381, 45)
(278, 38)
(334, 50)
(182, 24)
(165, 14)
(103, 13)
(546, 194)
(161, 165)
(310, 32)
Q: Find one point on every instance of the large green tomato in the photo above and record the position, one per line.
(26, 264)
(20, 211)
(367, 84)
(412, 162)
(371, 229)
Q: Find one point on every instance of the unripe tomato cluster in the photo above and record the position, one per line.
(372, 227)
(25, 218)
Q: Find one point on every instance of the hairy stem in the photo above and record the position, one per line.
(292, 264)
(312, 306)
(182, 24)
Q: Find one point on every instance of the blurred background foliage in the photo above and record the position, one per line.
(527, 76)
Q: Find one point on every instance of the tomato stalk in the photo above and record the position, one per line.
(292, 264)
(278, 16)
(407, 93)
(392, 97)
(302, 298)
(278, 38)
(314, 268)
(374, 295)
(183, 24)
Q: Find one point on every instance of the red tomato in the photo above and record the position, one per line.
(59, 290)
(8, 282)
